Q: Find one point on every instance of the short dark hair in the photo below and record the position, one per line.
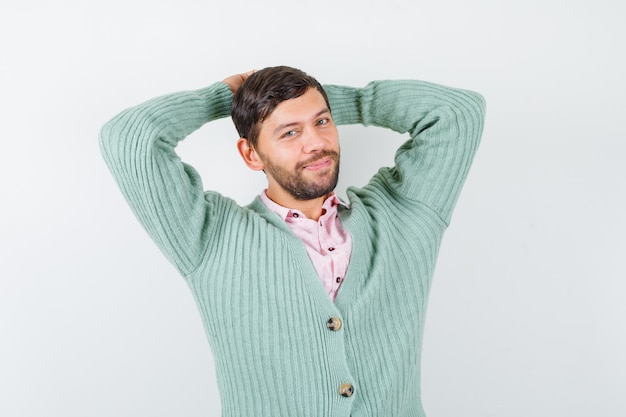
(262, 91)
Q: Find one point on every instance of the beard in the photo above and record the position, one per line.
(301, 188)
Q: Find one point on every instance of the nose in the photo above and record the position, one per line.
(313, 141)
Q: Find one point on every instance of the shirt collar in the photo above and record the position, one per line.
(330, 204)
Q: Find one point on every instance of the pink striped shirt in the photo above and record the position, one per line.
(328, 244)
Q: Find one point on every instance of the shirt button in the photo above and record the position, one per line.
(296, 215)
(331, 249)
(333, 324)
(338, 280)
(346, 390)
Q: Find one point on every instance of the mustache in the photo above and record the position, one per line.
(319, 155)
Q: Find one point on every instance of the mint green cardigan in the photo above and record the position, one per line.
(281, 346)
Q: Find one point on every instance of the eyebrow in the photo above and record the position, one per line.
(286, 125)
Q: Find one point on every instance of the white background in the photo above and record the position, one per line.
(528, 305)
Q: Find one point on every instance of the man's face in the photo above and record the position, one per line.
(299, 148)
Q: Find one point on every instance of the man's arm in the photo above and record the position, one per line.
(166, 195)
(444, 124)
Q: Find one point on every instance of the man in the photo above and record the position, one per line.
(312, 306)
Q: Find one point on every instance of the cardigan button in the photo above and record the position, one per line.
(333, 324)
(346, 390)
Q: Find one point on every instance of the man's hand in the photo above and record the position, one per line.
(235, 81)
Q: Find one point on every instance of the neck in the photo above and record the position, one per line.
(312, 209)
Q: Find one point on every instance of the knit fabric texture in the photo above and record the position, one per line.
(264, 309)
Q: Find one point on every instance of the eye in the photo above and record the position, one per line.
(322, 121)
(289, 134)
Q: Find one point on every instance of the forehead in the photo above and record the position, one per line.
(298, 110)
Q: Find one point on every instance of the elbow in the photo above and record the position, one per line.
(106, 140)
(109, 140)
(473, 115)
(476, 105)
(115, 138)
(105, 137)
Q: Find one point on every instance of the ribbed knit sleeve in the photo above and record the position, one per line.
(166, 195)
(444, 124)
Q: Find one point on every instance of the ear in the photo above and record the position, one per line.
(249, 155)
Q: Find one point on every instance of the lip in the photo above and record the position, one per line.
(319, 164)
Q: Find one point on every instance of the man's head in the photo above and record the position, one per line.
(262, 91)
(286, 128)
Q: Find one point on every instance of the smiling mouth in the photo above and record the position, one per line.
(319, 164)
(323, 160)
